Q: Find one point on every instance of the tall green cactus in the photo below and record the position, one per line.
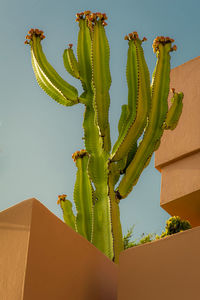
(106, 176)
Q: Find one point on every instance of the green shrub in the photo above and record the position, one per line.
(173, 225)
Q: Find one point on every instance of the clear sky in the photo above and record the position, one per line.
(37, 135)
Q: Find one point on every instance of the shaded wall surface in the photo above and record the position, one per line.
(42, 258)
(15, 224)
(178, 157)
(162, 270)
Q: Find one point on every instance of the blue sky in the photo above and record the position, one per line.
(38, 136)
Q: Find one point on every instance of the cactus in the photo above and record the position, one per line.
(106, 176)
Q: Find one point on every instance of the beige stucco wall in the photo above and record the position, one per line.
(162, 270)
(42, 258)
(185, 139)
(15, 225)
(178, 157)
(180, 188)
(64, 265)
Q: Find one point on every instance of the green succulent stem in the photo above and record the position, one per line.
(70, 63)
(84, 56)
(68, 214)
(138, 100)
(156, 118)
(83, 199)
(106, 176)
(118, 245)
(97, 169)
(49, 79)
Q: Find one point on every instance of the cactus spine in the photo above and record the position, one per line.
(100, 169)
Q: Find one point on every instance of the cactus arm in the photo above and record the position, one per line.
(118, 245)
(139, 88)
(132, 81)
(123, 118)
(68, 90)
(132, 77)
(174, 112)
(43, 82)
(84, 55)
(83, 197)
(70, 62)
(130, 156)
(160, 89)
(101, 81)
(68, 214)
(124, 163)
(158, 112)
(69, 95)
(121, 127)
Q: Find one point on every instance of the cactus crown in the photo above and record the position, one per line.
(91, 18)
(133, 36)
(79, 154)
(161, 40)
(34, 32)
(105, 176)
(61, 198)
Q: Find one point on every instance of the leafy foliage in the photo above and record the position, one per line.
(173, 225)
